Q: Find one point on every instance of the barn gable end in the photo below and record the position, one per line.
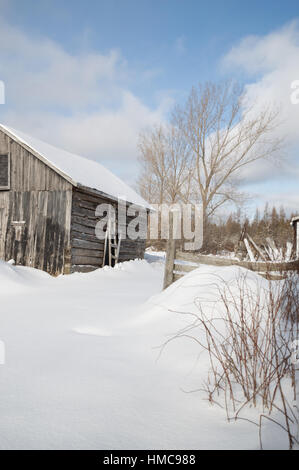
(35, 211)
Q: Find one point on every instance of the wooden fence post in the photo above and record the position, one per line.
(170, 255)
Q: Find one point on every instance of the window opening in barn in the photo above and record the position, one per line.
(4, 172)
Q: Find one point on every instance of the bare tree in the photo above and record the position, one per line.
(165, 160)
(223, 135)
(152, 161)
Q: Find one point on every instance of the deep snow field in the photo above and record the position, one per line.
(84, 368)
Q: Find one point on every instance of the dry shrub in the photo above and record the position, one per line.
(249, 340)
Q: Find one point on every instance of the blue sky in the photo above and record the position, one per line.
(89, 75)
(177, 42)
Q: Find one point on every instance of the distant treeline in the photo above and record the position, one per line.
(271, 222)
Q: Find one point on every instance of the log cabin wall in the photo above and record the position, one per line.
(35, 212)
(87, 249)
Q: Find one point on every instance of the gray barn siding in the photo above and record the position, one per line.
(58, 235)
(42, 199)
(87, 250)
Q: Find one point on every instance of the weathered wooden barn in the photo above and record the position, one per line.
(48, 199)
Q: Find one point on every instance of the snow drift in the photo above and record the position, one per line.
(84, 368)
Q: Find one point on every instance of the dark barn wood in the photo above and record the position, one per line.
(46, 221)
(4, 171)
(87, 250)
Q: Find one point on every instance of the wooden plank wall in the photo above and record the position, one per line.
(87, 249)
(35, 213)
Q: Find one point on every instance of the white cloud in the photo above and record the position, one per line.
(79, 101)
(107, 133)
(288, 199)
(271, 63)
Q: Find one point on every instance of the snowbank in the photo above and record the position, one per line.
(83, 366)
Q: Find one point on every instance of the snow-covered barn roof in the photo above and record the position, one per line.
(75, 169)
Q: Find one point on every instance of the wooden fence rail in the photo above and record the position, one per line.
(175, 270)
